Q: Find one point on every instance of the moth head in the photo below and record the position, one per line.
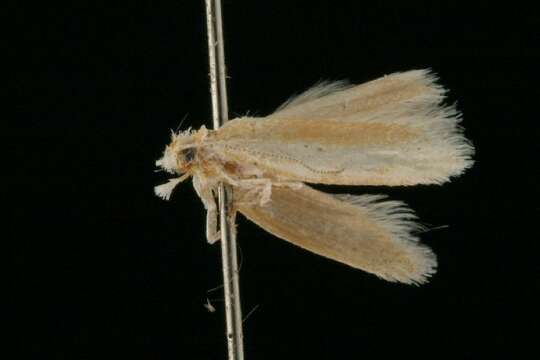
(180, 153)
(178, 158)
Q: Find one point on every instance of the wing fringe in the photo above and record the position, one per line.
(319, 90)
(396, 218)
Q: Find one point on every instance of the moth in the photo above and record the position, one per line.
(393, 131)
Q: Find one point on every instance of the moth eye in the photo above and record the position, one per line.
(188, 154)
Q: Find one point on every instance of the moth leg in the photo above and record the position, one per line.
(209, 201)
(212, 232)
(267, 184)
(292, 185)
(266, 193)
(247, 197)
(258, 188)
(232, 221)
(229, 180)
(295, 185)
(263, 186)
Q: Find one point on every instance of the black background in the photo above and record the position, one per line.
(102, 268)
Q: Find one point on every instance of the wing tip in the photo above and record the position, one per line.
(411, 262)
(420, 267)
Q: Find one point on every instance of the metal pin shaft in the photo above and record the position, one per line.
(218, 90)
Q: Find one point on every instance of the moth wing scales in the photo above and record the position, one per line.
(318, 90)
(403, 89)
(390, 131)
(360, 231)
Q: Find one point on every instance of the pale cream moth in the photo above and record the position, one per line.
(392, 131)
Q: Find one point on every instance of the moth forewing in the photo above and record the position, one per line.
(390, 131)
(381, 96)
(360, 231)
